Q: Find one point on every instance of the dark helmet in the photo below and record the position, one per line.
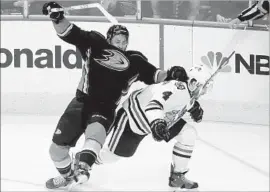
(116, 30)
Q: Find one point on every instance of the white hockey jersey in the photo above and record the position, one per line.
(145, 105)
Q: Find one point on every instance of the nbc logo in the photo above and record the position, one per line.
(213, 60)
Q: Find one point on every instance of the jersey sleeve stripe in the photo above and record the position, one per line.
(116, 120)
(120, 127)
(113, 135)
(153, 108)
(134, 117)
(137, 114)
(156, 75)
(252, 15)
(156, 102)
(258, 16)
(66, 32)
(254, 12)
(249, 8)
(144, 119)
(153, 105)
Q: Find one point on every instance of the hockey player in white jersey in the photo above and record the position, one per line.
(143, 113)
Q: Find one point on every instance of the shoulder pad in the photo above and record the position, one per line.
(98, 34)
(137, 53)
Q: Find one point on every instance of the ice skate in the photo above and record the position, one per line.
(81, 175)
(59, 182)
(178, 182)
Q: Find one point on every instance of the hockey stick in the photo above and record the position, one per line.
(236, 39)
(198, 92)
(111, 18)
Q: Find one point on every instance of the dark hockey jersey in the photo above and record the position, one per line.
(107, 71)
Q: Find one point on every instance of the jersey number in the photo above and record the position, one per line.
(166, 95)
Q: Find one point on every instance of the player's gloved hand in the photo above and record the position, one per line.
(177, 73)
(234, 23)
(55, 16)
(196, 112)
(160, 130)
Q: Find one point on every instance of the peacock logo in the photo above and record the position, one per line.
(213, 60)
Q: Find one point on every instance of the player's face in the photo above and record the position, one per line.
(192, 85)
(120, 41)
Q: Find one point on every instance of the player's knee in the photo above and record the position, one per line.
(96, 131)
(58, 153)
(106, 156)
(188, 135)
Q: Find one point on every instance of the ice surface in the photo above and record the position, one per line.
(227, 157)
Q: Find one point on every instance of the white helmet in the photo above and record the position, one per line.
(198, 75)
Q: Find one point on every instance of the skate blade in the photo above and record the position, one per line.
(81, 180)
(177, 189)
(57, 189)
(72, 186)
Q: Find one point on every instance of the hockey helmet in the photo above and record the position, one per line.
(198, 76)
(116, 30)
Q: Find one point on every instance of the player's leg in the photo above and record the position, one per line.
(68, 131)
(98, 124)
(123, 141)
(185, 136)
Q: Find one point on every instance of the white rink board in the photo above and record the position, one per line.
(178, 46)
(236, 97)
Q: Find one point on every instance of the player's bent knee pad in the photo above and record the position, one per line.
(107, 156)
(188, 135)
(96, 131)
(58, 153)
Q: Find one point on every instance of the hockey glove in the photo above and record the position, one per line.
(55, 16)
(196, 112)
(177, 73)
(159, 130)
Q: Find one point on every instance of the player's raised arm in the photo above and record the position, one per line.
(60, 23)
(68, 31)
(257, 11)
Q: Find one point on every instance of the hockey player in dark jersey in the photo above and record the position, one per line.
(108, 72)
(257, 11)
